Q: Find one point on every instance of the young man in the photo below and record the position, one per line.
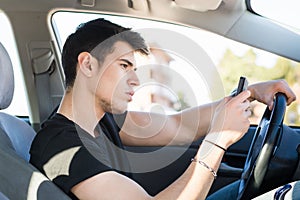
(81, 147)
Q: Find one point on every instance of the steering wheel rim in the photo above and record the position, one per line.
(262, 147)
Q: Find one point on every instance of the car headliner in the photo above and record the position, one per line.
(231, 19)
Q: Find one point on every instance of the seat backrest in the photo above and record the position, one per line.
(19, 133)
(18, 178)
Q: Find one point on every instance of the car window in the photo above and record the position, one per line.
(284, 12)
(198, 68)
(19, 105)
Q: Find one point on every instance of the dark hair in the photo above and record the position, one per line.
(97, 37)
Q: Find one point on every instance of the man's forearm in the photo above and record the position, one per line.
(148, 129)
(197, 120)
(196, 181)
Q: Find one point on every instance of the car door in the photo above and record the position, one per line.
(157, 179)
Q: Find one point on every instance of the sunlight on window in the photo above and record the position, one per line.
(283, 11)
(19, 105)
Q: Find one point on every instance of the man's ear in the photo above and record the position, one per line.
(85, 63)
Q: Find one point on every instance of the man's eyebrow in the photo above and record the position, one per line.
(127, 61)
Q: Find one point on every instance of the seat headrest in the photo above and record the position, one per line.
(6, 79)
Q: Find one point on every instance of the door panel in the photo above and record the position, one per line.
(156, 180)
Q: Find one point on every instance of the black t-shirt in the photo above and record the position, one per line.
(67, 154)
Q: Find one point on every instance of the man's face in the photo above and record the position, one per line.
(116, 79)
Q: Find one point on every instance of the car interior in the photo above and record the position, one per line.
(266, 159)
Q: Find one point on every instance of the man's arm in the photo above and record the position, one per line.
(146, 129)
(193, 184)
(196, 181)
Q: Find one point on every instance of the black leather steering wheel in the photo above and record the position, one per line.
(262, 147)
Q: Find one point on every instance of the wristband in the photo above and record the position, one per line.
(216, 145)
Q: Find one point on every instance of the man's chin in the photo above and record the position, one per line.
(119, 110)
(114, 108)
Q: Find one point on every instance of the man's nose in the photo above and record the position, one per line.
(133, 78)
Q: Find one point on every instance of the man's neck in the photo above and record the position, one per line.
(80, 109)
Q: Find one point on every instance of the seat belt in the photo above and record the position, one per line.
(43, 67)
(49, 85)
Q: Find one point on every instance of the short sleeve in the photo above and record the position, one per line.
(82, 166)
(68, 155)
(72, 159)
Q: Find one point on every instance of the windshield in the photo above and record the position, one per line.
(181, 82)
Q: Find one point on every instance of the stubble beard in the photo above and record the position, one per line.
(109, 106)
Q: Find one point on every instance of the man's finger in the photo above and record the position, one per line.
(243, 96)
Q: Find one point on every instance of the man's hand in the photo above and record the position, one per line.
(265, 91)
(231, 120)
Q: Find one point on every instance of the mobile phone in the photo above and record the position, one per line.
(242, 86)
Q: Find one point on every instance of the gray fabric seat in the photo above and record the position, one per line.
(18, 178)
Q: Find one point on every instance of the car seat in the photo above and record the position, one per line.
(18, 178)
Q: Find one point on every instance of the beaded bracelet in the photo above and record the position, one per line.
(215, 145)
(214, 173)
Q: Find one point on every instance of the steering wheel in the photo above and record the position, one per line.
(262, 147)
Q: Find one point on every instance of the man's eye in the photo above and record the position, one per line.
(124, 66)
